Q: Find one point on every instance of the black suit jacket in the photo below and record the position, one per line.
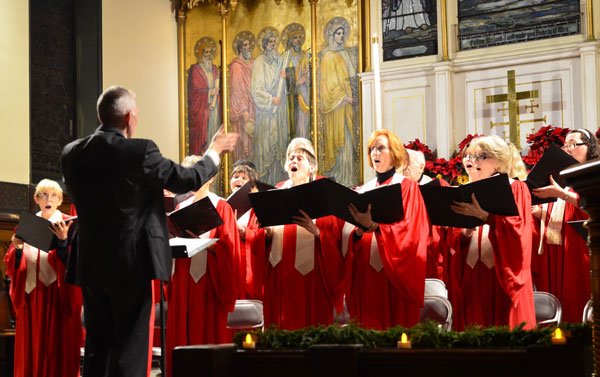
(117, 186)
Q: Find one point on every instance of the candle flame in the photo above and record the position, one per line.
(248, 338)
(404, 338)
(558, 333)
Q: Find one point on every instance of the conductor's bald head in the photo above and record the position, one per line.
(117, 108)
(114, 104)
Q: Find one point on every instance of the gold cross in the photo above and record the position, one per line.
(512, 97)
(530, 107)
(503, 109)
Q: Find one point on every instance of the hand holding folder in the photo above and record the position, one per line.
(325, 197)
(36, 231)
(551, 163)
(493, 194)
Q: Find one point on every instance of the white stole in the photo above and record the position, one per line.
(480, 248)
(198, 261)
(35, 257)
(374, 258)
(305, 245)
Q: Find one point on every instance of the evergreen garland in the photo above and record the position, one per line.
(423, 335)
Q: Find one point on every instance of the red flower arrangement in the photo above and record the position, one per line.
(598, 134)
(417, 145)
(466, 141)
(541, 140)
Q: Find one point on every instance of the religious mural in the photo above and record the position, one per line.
(269, 83)
(409, 28)
(338, 98)
(203, 96)
(485, 23)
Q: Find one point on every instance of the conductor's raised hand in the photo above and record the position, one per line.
(223, 142)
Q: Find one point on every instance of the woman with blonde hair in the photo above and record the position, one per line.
(48, 311)
(496, 276)
(304, 265)
(387, 282)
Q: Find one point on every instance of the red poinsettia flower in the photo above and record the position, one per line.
(541, 140)
(467, 140)
(417, 145)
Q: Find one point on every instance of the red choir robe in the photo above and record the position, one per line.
(498, 289)
(48, 313)
(198, 310)
(386, 284)
(251, 263)
(199, 107)
(562, 268)
(303, 274)
(437, 250)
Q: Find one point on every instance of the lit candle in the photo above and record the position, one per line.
(558, 337)
(249, 343)
(377, 81)
(404, 343)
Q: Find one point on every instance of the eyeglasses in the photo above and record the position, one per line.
(477, 157)
(380, 148)
(46, 196)
(571, 146)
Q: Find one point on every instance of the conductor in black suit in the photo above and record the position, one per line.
(116, 183)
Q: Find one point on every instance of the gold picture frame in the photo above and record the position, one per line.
(335, 128)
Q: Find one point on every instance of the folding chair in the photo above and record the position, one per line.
(548, 309)
(438, 309)
(435, 287)
(588, 312)
(247, 314)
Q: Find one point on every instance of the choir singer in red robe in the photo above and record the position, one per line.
(496, 276)
(250, 262)
(386, 286)
(203, 288)
(562, 258)
(48, 311)
(304, 265)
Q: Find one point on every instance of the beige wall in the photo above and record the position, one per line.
(139, 51)
(14, 91)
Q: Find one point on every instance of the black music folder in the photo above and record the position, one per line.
(240, 201)
(493, 194)
(579, 228)
(188, 247)
(325, 197)
(169, 204)
(551, 163)
(35, 231)
(197, 218)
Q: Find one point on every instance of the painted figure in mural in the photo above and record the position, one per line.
(297, 73)
(267, 85)
(406, 15)
(203, 96)
(242, 107)
(339, 101)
